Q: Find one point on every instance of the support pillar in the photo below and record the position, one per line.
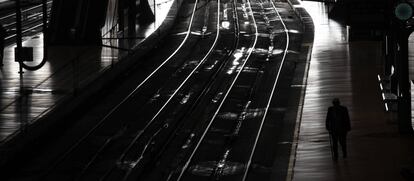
(132, 16)
(18, 57)
(404, 93)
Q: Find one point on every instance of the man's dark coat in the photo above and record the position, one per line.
(337, 120)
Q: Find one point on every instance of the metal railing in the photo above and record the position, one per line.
(31, 17)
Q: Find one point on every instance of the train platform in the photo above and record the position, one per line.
(32, 102)
(347, 70)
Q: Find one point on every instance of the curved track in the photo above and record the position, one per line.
(169, 75)
(226, 147)
(199, 113)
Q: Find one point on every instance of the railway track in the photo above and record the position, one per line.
(126, 130)
(234, 101)
(221, 149)
(199, 113)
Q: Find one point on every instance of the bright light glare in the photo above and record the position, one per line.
(225, 24)
(238, 55)
(236, 62)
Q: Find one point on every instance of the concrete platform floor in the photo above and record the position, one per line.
(347, 70)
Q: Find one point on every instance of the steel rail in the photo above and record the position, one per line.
(219, 168)
(184, 168)
(83, 138)
(140, 133)
(172, 96)
(148, 124)
(101, 148)
(208, 86)
(179, 87)
(271, 94)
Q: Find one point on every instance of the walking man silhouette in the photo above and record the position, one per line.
(338, 124)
